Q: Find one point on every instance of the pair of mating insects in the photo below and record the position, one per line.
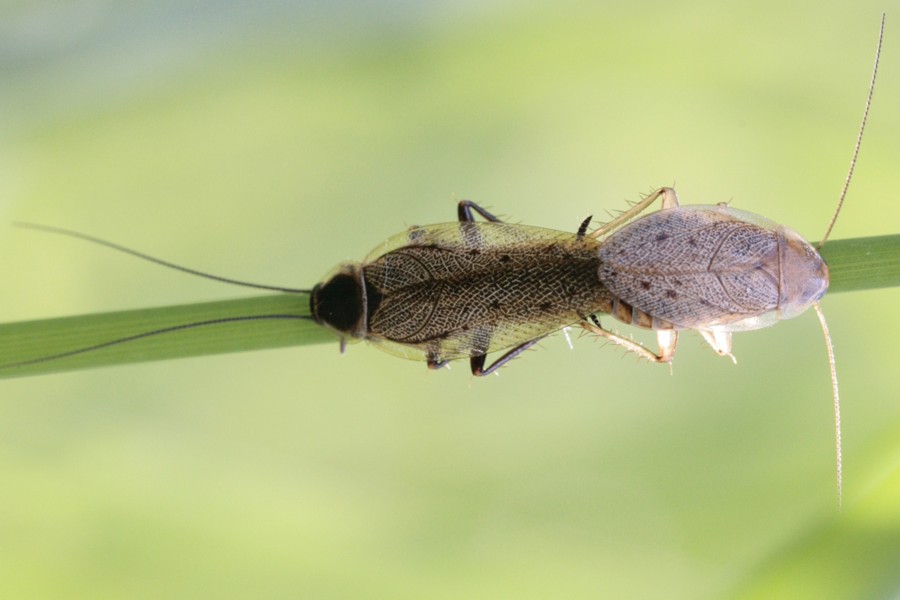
(465, 289)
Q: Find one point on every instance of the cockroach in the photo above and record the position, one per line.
(468, 288)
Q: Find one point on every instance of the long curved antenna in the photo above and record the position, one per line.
(147, 257)
(862, 128)
(828, 344)
(837, 402)
(146, 334)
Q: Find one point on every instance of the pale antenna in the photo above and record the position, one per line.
(829, 346)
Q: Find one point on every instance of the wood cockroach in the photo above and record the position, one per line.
(461, 290)
(468, 288)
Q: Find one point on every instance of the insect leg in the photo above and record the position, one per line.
(582, 229)
(669, 200)
(477, 362)
(720, 342)
(433, 363)
(666, 338)
(465, 208)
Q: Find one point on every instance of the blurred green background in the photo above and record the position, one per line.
(273, 141)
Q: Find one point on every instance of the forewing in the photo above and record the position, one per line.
(461, 289)
(695, 266)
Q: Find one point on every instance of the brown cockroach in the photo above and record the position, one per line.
(468, 288)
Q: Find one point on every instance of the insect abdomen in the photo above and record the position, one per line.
(626, 313)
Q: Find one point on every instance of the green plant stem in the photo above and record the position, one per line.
(855, 264)
(863, 263)
(30, 340)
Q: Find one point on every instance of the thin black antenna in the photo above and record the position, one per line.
(151, 333)
(862, 128)
(147, 257)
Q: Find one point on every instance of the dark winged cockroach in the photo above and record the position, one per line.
(468, 288)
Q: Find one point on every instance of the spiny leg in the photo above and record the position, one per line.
(666, 338)
(465, 208)
(669, 200)
(477, 362)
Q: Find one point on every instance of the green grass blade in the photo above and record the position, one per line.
(855, 264)
(26, 341)
(863, 263)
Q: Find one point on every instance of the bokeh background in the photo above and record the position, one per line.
(272, 140)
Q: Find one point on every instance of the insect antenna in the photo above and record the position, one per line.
(837, 403)
(828, 345)
(153, 259)
(859, 136)
(151, 333)
(161, 330)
